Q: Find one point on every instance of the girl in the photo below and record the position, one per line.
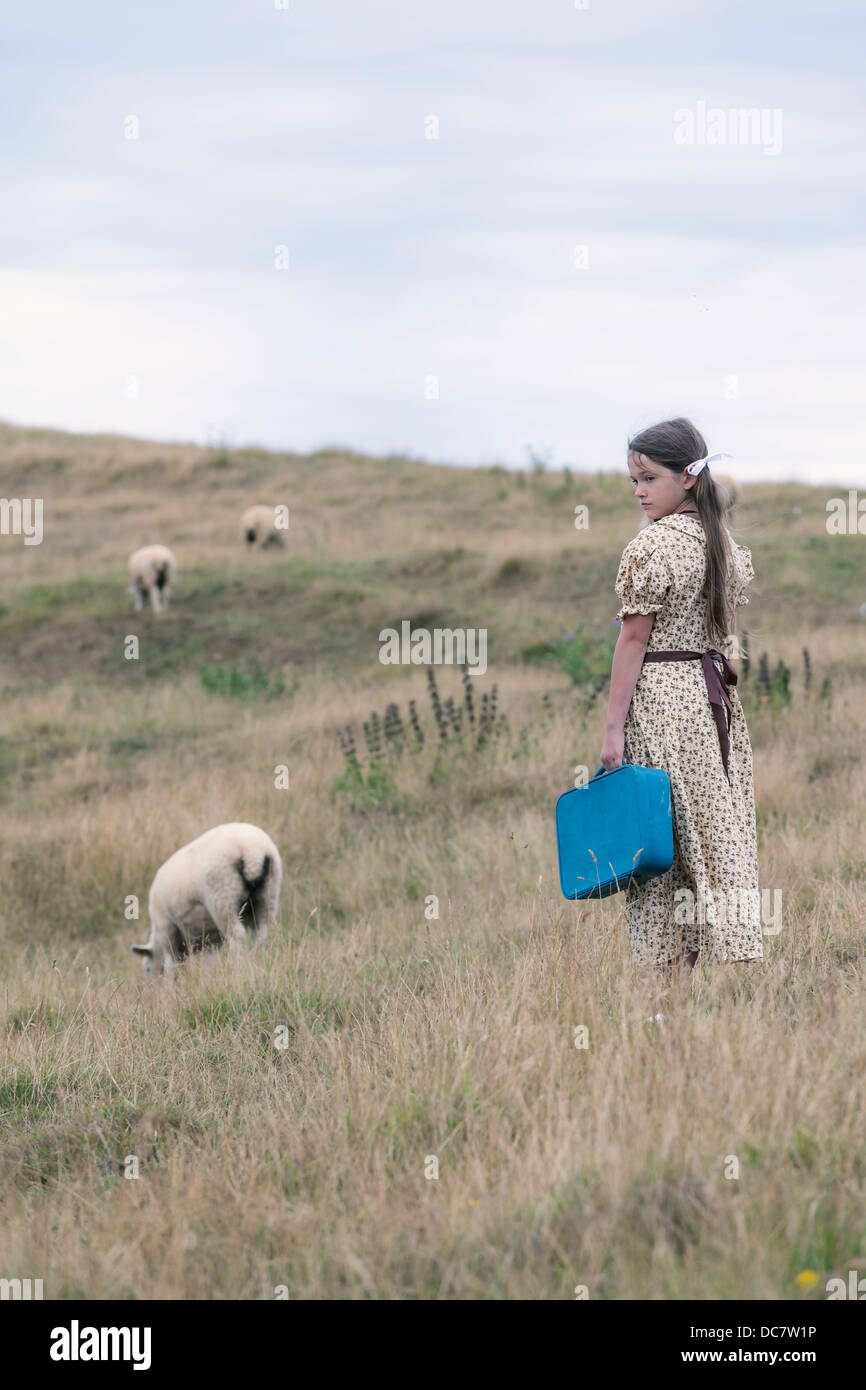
(673, 705)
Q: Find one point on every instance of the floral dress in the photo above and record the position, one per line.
(708, 900)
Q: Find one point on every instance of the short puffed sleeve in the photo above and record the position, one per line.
(644, 578)
(742, 574)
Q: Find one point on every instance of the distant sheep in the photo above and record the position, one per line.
(153, 570)
(259, 527)
(224, 886)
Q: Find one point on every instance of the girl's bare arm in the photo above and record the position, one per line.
(628, 658)
(627, 661)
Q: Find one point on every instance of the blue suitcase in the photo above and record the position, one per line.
(615, 829)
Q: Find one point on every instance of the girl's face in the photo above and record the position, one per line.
(657, 489)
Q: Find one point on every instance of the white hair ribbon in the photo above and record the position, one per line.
(699, 464)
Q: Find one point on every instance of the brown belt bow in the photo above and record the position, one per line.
(717, 683)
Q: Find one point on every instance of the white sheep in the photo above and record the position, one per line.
(259, 527)
(223, 886)
(153, 569)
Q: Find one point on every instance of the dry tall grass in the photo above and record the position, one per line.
(406, 1037)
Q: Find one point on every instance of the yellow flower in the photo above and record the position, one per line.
(807, 1278)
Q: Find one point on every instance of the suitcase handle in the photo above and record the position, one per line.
(602, 769)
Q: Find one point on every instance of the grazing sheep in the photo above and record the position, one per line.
(153, 569)
(224, 886)
(259, 527)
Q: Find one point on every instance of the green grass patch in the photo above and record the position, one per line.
(25, 1096)
(37, 1018)
(583, 658)
(230, 1011)
(235, 683)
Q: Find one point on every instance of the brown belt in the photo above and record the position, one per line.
(717, 683)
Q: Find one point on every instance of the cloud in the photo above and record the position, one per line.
(153, 258)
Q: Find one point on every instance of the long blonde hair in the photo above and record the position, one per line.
(674, 444)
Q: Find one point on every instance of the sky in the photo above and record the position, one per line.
(473, 232)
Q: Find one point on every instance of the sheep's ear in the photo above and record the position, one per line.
(143, 950)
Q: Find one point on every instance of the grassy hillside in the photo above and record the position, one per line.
(406, 1036)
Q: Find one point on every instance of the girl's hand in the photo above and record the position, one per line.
(612, 749)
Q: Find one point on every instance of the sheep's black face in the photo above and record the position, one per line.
(146, 957)
(251, 537)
